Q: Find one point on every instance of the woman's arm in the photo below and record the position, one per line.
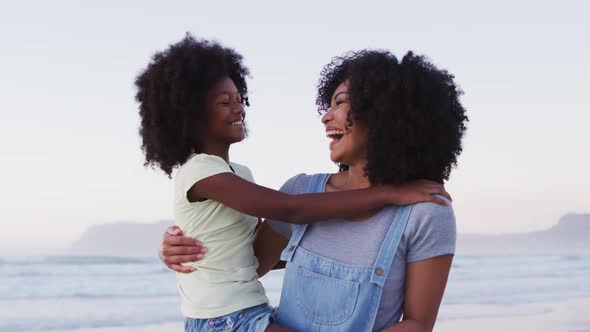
(268, 247)
(255, 200)
(425, 284)
(176, 249)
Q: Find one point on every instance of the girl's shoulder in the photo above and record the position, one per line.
(198, 167)
(203, 160)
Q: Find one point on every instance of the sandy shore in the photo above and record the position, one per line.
(168, 327)
(570, 316)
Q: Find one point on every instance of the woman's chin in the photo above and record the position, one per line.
(335, 157)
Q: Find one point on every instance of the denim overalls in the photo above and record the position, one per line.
(320, 294)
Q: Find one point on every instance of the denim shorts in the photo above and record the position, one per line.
(253, 319)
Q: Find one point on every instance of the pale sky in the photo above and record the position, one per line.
(69, 147)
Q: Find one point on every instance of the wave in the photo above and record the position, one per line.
(19, 272)
(91, 296)
(574, 258)
(77, 260)
(74, 325)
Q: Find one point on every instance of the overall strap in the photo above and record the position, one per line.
(390, 245)
(316, 185)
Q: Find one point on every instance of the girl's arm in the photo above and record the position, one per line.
(425, 284)
(255, 200)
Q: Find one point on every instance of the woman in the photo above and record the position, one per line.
(390, 122)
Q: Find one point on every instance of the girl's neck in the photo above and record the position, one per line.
(217, 149)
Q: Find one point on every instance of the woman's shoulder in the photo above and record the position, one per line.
(426, 210)
(294, 184)
(298, 184)
(431, 230)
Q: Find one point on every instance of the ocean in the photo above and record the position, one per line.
(66, 293)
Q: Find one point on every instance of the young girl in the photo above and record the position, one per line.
(191, 103)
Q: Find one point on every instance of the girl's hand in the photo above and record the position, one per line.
(176, 249)
(418, 191)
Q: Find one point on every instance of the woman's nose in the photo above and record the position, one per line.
(327, 116)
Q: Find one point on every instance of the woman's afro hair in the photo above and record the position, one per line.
(411, 108)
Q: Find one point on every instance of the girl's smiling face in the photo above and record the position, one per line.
(348, 144)
(225, 113)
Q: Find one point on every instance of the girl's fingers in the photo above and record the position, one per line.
(448, 196)
(437, 200)
(444, 193)
(440, 190)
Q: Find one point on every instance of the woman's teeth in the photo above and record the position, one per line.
(237, 123)
(334, 134)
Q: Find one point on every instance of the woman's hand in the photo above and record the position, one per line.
(418, 191)
(176, 249)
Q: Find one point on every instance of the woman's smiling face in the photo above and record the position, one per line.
(348, 141)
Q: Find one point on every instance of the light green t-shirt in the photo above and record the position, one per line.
(225, 280)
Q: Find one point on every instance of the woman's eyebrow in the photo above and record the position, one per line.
(339, 93)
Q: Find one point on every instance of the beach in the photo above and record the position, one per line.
(571, 315)
(114, 294)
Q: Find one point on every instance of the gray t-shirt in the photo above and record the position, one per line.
(430, 232)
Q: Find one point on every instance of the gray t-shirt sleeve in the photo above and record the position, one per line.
(431, 232)
(292, 187)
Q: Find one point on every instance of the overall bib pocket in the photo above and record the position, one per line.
(337, 302)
